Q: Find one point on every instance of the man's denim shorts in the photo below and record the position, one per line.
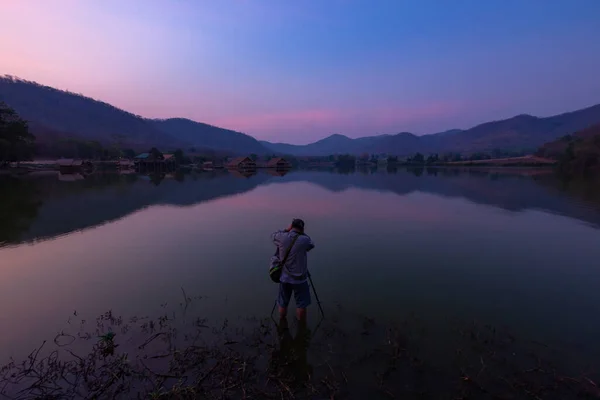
(301, 294)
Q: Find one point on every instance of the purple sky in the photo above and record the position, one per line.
(297, 71)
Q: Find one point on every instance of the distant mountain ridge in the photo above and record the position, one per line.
(522, 132)
(54, 114)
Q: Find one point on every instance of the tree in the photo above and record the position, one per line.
(200, 159)
(89, 149)
(179, 156)
(346, 161)
(16, 142)
(479, 156)
(128, 153)
(253, 157)
(156, 154)
(432, 159)
(418, 158)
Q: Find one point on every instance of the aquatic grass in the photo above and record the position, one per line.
(177, 356)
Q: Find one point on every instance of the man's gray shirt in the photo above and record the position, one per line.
(296, 265)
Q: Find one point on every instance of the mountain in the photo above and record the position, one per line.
(53, 114)
(199, 134)
(334, 144)
(66, 114)
(449, 132)
(520, 133)
(330, 145)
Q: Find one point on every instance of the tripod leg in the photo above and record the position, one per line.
(316, 296)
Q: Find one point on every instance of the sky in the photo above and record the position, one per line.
(298, 71)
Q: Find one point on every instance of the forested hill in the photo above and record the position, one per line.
(54, 114)
(204, 135)
(577, 153)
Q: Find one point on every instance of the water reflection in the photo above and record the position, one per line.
(20, 201)
(38, 207)
(442, 243)
(290, 361)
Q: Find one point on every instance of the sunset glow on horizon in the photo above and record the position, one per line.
(297, 72)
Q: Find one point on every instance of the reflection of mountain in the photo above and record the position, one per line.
(99, 199)
(507, 190)
(72, 206)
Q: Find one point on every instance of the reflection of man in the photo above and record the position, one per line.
(295, 271)
(292, 355)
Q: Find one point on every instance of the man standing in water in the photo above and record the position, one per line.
(294, 277)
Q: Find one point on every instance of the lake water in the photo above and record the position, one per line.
(519, 249)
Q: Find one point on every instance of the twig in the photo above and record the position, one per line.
(482, 367)
(185, 298)
(147, 342)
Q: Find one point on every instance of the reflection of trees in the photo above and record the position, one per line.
(242, 173)
(106, 197)
(277, 172)
(19, 206)
(101, 198)
(432, 171)
(418, 171)
(586, 190)
(179, 176)
(156, 179)
(346, 169)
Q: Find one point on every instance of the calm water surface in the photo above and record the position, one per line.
(516, 249)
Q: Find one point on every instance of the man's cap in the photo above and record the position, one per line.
(298, 223)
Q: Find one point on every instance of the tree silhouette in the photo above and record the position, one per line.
(129, 153)
(418, 158)
(16, 142)
(179, 156)
(156, 154)
(432, 159)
